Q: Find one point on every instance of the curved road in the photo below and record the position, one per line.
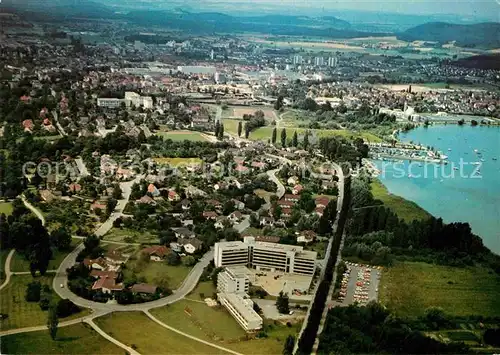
(281, 188)
(7, 271)
(33, 209)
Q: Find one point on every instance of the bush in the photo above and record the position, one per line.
(65, 308)
(45, 298)
(33, 291)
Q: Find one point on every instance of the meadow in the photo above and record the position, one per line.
(410, 288)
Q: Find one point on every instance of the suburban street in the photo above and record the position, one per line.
(281, 188)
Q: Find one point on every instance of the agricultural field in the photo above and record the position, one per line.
(409, 288)
(155, 272)
(21, 313)
(178, 162)
(74, 339)
(136, 330)
(238, 112)
(19, 262)
(179, 136)
(6, 208)
(405, 209)
(265, 133)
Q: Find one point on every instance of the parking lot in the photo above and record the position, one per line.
(359, 284)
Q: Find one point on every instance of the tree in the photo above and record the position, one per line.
(65, 308)
(110, 205)
(279, 103)
(52, 322)
(295, 139)
(33, 292)
(221, 132)
(306, 140)
(254, 221)
(189, 261)
(45, 298)
(283, 137)
(289, 344)
(240, 128)
(217, 129)
(282, 303)
(61, 238)
(173, 258)
(117, 192)
(273, 138)
(277, 212)
(247, 130)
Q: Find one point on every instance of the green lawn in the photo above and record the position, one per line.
(132, 236)
(178, 161)
(21, 313)
(3, 256)
(136, 330)
(319, 247)
(157, 272)
(265, 133)
(6, 208)
(405, 209)
(19, 262)
(410, 288)
(178, 136)
(74, 339)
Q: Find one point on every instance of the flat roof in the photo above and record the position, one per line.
(243, 308)
(237, 270)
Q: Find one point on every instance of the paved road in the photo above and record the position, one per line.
(128, 349)
(7, 271)
(190, 336)
(244, 224)
(281, 188)
(33, 209)
(187, 286)
(58, 125)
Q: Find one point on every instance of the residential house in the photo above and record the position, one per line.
(266, 221)
(148, 200)
(47, 196)
(185, 204)
(322, 201)
(319, 211)
(173, 196)
(210, 215)
(103, 274)
(258, 165)
(97, 264)
(292, 198)
(297, 189)
(97, 206)
(153, 190)
(215, 203)
(238, 204)
(156, 252)
(306, 236)
(286, 212)
(220, 223)
(191, 245)
(75, 188)
(107, 285)
(235, 217)
(183, 232)
(28, 125)
(176, 247)
(241, 169)
(144, 289)
(293, 180)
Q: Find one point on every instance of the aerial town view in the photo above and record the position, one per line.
(249, 177)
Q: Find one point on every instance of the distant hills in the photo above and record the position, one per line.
(479, 62)
(484, 35)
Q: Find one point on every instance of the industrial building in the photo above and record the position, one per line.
(265, 256)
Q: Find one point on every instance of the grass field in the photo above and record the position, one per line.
(120, 234)
(158, 272)
(74, 339)
(136, 330)
(6, 208)
(21, 313)
(19, 262)
(405, 209)
(178, 136)
(410, 288)
(238, 112)
(218, 326)
(178, 161)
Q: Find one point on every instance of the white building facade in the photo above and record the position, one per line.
(265, 256)
(233, 279)
(242, 310)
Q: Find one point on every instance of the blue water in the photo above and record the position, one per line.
(461, 195)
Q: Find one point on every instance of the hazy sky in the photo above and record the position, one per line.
(488, 8)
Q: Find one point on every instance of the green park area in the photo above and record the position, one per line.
(129, 236)
(265, 133)
(178, 136)
(405, 209)
(19, 262)
(6, 208)
(410, 288)
(20, 313)
(215, 324)
(139, 332)
(74, 339)
(3, 257)
(140, 269)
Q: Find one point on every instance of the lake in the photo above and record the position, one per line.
(465, 190)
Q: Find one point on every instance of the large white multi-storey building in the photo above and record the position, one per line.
(131, 98)
(265, 256)
(241, 309)
(233, 279)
